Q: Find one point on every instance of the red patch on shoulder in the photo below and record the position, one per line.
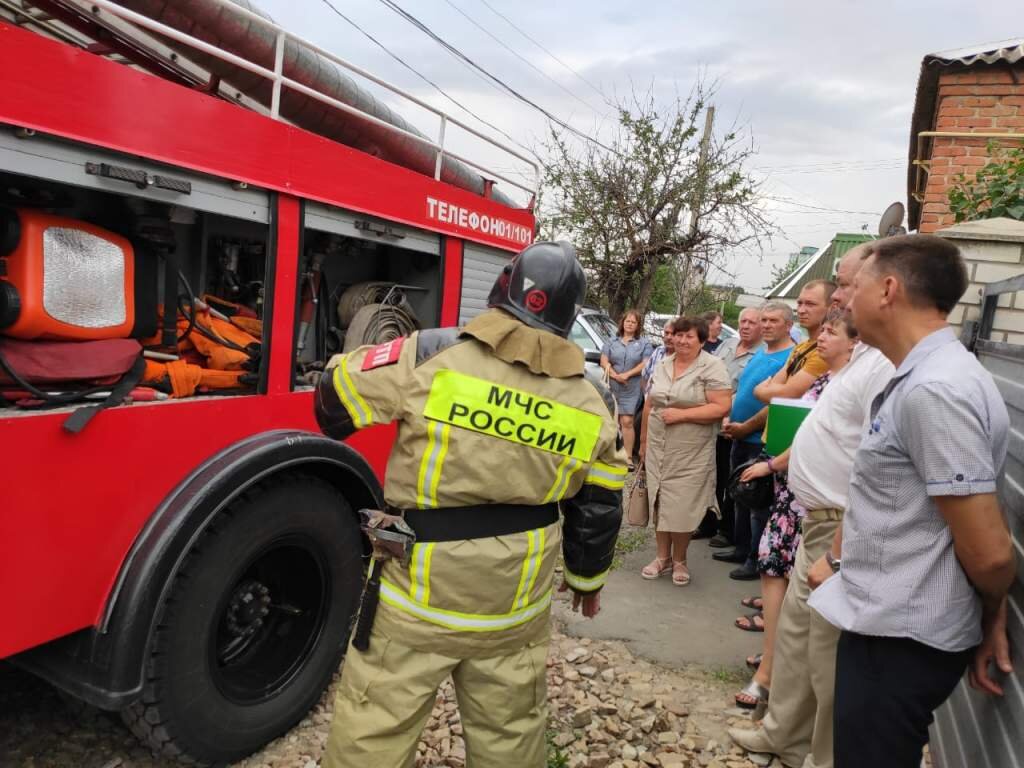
(383, 354)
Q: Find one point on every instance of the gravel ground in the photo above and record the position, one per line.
(607, 708)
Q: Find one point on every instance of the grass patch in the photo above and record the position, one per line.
(628, 542)
(729, 675)
(556, 757)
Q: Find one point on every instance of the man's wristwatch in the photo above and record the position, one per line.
(834, 563)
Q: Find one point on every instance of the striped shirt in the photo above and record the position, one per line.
(939, 428)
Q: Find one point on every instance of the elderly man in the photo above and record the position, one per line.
(926, 560)
(776, 320)
(657, 356)
(736, 352)
(798, 724)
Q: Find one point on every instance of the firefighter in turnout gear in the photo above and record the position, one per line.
(498, 428)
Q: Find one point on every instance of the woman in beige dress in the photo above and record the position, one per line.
(690, 395)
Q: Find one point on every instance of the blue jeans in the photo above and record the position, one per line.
(750, 523)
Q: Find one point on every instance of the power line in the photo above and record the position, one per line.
(509, 89)
(523, 59)
(523, 32)
(423, 77)
(829, 164)
(788, 201)
(844, 169)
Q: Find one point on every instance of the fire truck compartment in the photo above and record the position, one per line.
(212, 238)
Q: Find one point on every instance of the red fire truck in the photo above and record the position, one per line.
(194, 561)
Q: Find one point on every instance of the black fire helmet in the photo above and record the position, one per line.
(544, 286)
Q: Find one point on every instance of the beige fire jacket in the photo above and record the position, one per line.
(496, 412)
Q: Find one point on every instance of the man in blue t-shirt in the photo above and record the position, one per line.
(776, 321)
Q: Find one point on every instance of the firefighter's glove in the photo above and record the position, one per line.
(591, 601)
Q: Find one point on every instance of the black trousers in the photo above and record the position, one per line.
(748, 523)
(723, 467)
(886, 691)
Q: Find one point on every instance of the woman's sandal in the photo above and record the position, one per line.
(680, 573)
(755, 603)
(755, 661)
(755, 691)
(749, 623)
(659, 566)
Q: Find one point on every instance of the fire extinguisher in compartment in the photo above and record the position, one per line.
(62, 278)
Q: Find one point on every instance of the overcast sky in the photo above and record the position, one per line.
(825, 88)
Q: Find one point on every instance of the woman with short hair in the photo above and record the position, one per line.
(690, 395)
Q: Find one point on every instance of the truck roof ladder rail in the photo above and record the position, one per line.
(111, 38)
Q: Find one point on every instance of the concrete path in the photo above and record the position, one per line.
(669, 624)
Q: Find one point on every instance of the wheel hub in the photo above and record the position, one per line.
(249, 606)
(270, 621)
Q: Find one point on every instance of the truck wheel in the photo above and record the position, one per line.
(254, 624)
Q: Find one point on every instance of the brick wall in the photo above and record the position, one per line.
(983, 99)
(993, 250)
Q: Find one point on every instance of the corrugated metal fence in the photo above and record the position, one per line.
(973, 730)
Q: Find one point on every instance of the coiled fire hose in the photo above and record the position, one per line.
(375, 313)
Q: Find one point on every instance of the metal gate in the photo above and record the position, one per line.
(973, 730)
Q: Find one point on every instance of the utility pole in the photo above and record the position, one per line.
(702, 157)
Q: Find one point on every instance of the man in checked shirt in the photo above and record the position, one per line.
(918, 577)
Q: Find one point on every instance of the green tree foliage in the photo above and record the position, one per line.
(627, 207)
(996, 190)
(663, 296)
(731, 314)
(783, 271)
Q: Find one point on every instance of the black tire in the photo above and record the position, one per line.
(255, 624)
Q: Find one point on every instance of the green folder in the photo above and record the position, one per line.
(785, 415)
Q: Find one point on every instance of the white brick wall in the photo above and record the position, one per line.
(991, 260)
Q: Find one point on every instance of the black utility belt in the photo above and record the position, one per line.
(480, 521)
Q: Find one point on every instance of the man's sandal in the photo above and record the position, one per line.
(755, 661)
(680, 573)
(755, 691)
(749, 623)
(755, 603)
(659, 566)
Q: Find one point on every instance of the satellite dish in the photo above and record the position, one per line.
(892, 221)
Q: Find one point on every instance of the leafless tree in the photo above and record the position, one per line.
(628, 204)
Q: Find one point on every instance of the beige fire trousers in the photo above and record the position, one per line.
(799, 719)
(387, 694)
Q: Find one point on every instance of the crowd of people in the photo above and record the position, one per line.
(876, 537)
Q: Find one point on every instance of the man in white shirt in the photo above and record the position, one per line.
(798, 724)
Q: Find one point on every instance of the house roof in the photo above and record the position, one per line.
(1002, 52)
(819, 267)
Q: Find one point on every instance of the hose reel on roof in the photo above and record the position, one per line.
(375, 313)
